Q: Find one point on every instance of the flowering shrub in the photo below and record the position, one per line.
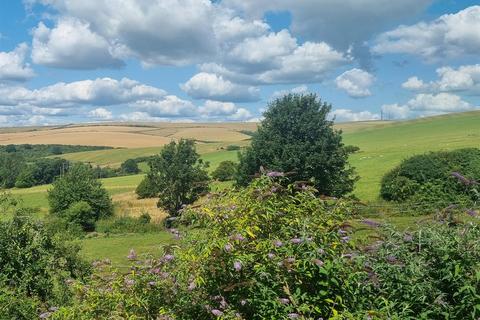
(263, 252)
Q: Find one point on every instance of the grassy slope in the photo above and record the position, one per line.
(383, 147)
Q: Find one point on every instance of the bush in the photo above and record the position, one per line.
(130, 166)
(80, 185)
(11, 164)
(177, 175)
(436, 178)
(266, 252)
(432, 273)
(35, 264)
(297, 138)
(146, 189)
(232, 147)
(81, 214)
(225, 171)
(119, 225)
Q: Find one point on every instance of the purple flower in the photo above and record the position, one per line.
(217, 313)
(129, 282)
(320, 251)
(290, 260)
(228, 247)
(284, 300)
(271, 255)
(152, 283)
(278, 243)
(462, 179)
(191, 286)
(342, 232)
(237, 265)
(371, 223)
(318, 262)
(132, 255)
(168, 257)
(392, 259)
(408, 237)
(237, 237)
(472, 213)
(296, 240)
(44, 315)
(293, 316)
(274, 174)
(345, 239)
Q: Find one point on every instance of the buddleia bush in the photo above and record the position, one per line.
(263, 252)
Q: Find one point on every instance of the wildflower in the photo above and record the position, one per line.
(408, 237)
(284, 300)
(191, 286)
(278, 243)
(243, 302)
(293, 316)
(345, 239)
(290, 260)
(320, 251)
(237, 265)
(132, 255)
(129, 282)
(45, 315)
(318, 262)
(271, 255)
(342, 232)
(472, 213)
(237, 237)
(392, 259)
(168, 257)
(296, 240)
(217, 313)
(53, 309)
(371, 223)
(274, 174)
(228, 247)
(152, 284)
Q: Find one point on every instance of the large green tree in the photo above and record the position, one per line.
(80, 185)
(177, 175)
(296, 137)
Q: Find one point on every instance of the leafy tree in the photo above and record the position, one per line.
(11, 164)
(147, 189)
(130, 166)
(81, 214)
(10, 148)
(225, 171)
(178, 175)
(297, 138)
(79, 184)
(56, 150)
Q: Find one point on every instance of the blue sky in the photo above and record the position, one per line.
(64, 61)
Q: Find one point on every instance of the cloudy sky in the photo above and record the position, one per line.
(64, 61)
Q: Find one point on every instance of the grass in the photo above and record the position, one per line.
(116, 247)
(384, 146)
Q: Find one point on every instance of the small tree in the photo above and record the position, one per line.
(297, 138)
(79, 184)
(130, 166)
(225, 171)
(178, 175)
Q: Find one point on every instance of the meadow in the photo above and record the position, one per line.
(382, 145)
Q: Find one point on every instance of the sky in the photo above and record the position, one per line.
(70, 61)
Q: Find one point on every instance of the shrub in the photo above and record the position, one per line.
(119, 225)
(438, 178)
(225, 171)
(266, 252)
(35, 264)
(80, 185)
(297, 138)
(432, 273)
(146, 189)
(11, 164)
(81, 214)
(232, 147)
(130, 166)
(178, 176)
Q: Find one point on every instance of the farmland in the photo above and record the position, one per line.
(382, 146)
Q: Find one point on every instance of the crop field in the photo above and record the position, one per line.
(382, 146)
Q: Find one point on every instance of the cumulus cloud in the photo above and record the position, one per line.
(101, 113)
(451, 35)
(296, 90)
(462, 79)
(170, 106)
(224, 110)
(347, 115)
(211, 86)
(355, 82)
(13, 66)
(427, 104)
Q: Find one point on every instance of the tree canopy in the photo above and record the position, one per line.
(296, 137)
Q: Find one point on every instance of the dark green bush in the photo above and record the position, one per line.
(78, 185)
(225, 171)
(119, 225)
(130, 166)
(232, 147)
(146, 189)
(438, 178)
(80, 214)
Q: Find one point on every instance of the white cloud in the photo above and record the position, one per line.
(170, 106)
(211, 86)
(224, 110)
(71, 44)
(451, 35)
(296, 90)
(347, 115)
(355, 82)
(13, 66)
(463, 79)
(427, 104)
(101, 113)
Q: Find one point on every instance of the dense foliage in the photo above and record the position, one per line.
(79, 185)
(32, 152)
(11, 164)
(297, 138)
(41, 171)
(439, 178)
(35, 267)
(130, 166)
(177, 176)
(225, 171)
